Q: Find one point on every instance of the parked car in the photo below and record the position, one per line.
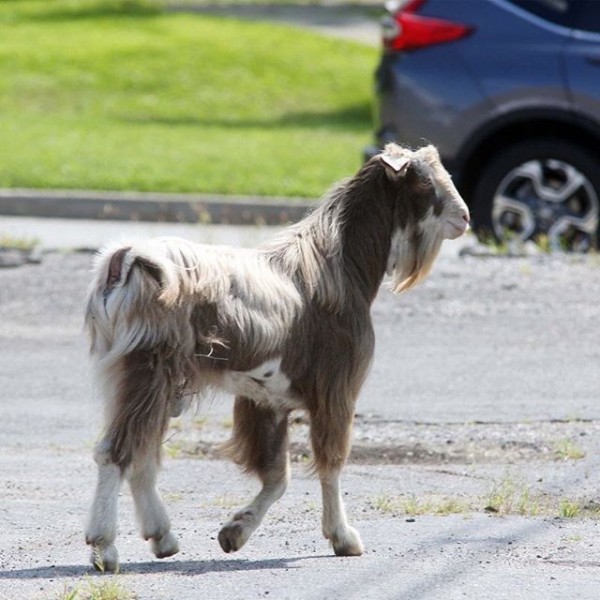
(509, 91)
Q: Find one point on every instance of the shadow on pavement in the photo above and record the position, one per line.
(186, 567)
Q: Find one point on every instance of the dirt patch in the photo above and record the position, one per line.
(377, 442)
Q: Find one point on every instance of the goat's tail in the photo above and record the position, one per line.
(132, 287)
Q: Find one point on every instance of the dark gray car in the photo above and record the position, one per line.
(509, 91)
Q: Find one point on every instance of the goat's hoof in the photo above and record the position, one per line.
(165, 546)
(235, 534)
(106, 559)
(347, 543)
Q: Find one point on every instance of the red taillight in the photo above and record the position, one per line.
(405, 30)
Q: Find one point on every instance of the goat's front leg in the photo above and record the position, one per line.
(344, 539)
(260, 445)
(331, 445)
(151, 512)
(101, 530)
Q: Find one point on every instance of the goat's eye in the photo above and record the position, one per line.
(437, 203)
(437, 197)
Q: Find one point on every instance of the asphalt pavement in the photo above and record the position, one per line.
(483, 395)
(355, 21)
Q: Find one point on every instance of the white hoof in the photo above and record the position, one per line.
(347, 542)
(165, 546)
(105, 560)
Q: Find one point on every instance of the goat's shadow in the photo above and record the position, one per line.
(185, 567)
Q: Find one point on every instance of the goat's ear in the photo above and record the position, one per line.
(396, 165)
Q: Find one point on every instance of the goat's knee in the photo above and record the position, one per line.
(102, 453)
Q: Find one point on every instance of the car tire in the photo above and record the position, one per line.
(540, 187)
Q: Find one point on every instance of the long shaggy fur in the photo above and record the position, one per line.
(284, 326)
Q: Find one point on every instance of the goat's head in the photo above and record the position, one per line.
(428, 209)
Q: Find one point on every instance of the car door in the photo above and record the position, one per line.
(582, 60)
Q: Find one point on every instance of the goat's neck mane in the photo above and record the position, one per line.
(340, 249)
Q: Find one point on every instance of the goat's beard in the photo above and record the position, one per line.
(411, 258)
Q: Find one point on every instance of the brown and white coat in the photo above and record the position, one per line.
(285, 326)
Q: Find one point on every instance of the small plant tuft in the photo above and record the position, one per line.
(414, 506)
(569, 509)
(568, 450)
(511, 497)
(108, 589)
(17, 243)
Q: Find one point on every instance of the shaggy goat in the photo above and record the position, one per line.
(286, 326)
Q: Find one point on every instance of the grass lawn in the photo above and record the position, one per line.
(108, 95)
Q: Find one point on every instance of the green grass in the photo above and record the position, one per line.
(121, 95)
(568, 450)
(569, 509)
(17, 243)
(179, 3)
(506, 497)
(414, 506)
(107, 589)
(514, 497)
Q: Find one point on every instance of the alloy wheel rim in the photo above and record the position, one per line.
(547, 197)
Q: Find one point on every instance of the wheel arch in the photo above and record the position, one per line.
(516, 127)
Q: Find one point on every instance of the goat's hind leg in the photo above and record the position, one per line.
(151, 513)
(259, 444)
(138, 393)
(101, 529)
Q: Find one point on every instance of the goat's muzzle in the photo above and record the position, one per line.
(457, 225)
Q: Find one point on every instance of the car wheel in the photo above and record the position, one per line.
(540, 188)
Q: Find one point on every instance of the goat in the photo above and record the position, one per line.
(282, 327)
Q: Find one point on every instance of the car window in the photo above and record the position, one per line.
(574, 14)
(586, 16)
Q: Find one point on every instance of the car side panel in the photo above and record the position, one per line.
(423, 96)
(516, 57)
(445, 93)
(582, 66)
